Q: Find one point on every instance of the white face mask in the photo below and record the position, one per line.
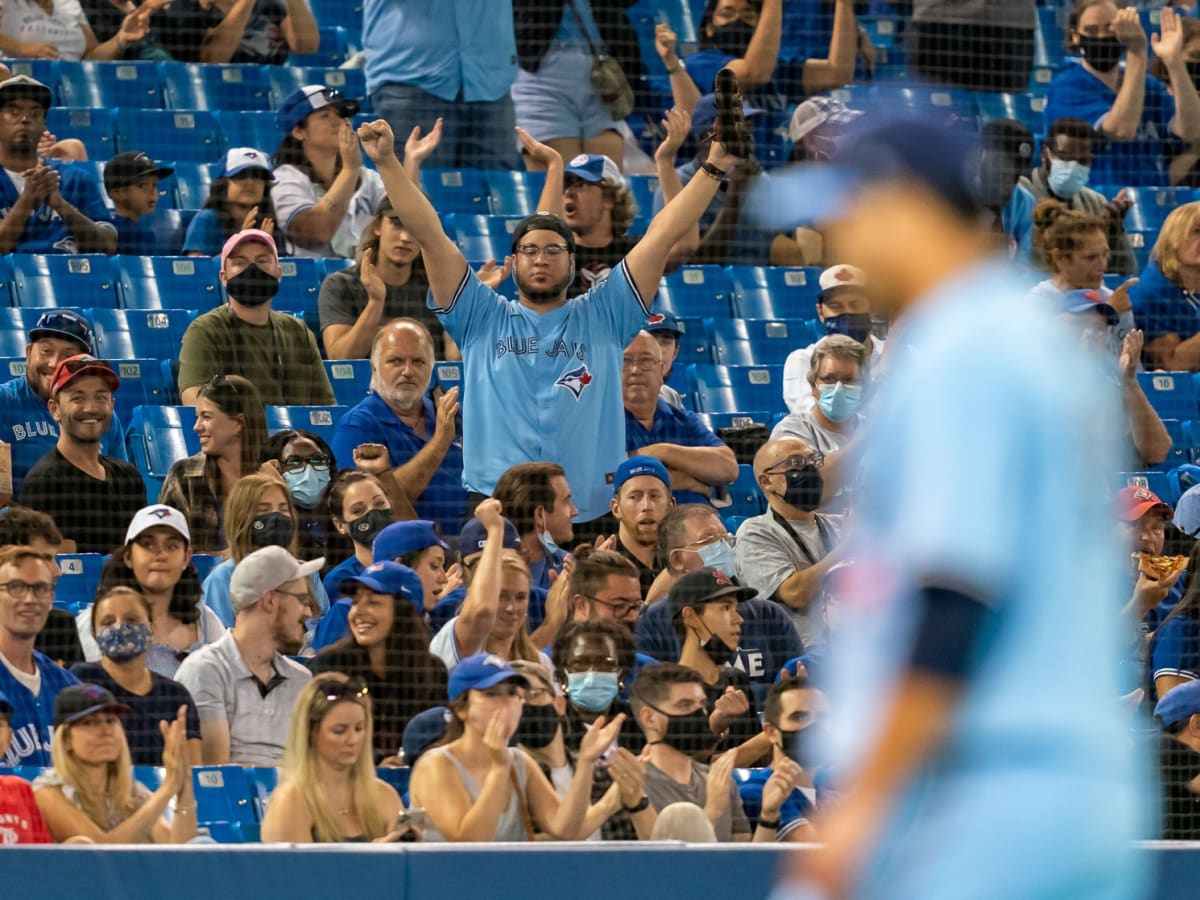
(720, 556)
(1067, 177)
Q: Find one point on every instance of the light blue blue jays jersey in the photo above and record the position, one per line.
(986, 469)
(545, 386)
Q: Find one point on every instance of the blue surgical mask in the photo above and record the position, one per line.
(307, 485)
(591, 690)
(720, 556)
(123, 641)
(1067, 177)
(839, 401)
(555, 552)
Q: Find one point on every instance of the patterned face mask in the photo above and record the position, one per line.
(123, 641)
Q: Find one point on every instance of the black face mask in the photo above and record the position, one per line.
(1101, 53)
(688, 733)
(252, 286)
(365, 527)
(272, 530)
(804, 488)
(1193, 67)
(718, 651)
(733, 38)
(800, 746)
(538, 726)
(856, 326)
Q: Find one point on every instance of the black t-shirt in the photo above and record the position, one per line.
(160, 705)
(646, 575)
(592, 264)
(106, 20)
(182, 27)
(94, 514)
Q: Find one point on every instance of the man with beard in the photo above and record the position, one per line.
(24, 416)
(542, 372)
(46, 206)
(274, 350)
(420, 435)
(641, 498)
(696, 459)
(91, 497)
(244, 684)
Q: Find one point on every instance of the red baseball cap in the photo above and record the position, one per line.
(80, 365)
(1133, 502)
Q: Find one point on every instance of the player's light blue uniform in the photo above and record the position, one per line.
(985, 470)
(545, 386)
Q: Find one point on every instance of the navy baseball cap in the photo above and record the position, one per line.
(1089, 300)
(879, 148)
(81, 700)
(480, 672)
(388, 578)
(664, 322)
(704, 116)
(473, 536)
(1180, 702)
(635, 466)
(126, 168)
(62, 323)
(423, 731)
(544, 221)
(594, 168)
(304, 101)
(400, 538)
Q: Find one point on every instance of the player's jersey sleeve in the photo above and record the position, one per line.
(616, 305)
(475, 312)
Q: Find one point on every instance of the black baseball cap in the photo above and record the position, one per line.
(80, 700)
(543, 221)
(64, 324)
(706, 585)
(126, 168)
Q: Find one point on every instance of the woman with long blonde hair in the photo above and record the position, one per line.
(329, 792)
(90, 793)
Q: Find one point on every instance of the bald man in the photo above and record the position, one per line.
(784, 553)
(422, 438)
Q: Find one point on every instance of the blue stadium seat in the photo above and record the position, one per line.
(44, 70)
(774, 292)
(333, 49)
(731, 388)
(695, 292)
(223, 795)
(351, 379)
(448, 375)
(132, 85)
(157, 437)
(12, 334)
(758, 342)
(263, 780)
(149, 776)
(456, 190)
(351, 83)
(204, 563)
(230, 87)
(331, 264)
(76, 586)
(1155, 481)
(42, 280)
(942, 103)
(94, 126)
(1180, 480)
(514, 193)
(192, 136)
(317, 419)
(397, 776)
(747, 496)
(299, 287)
(695, 346)
(1172, 394)
(11, 367)
(169, 282)
(246, 129)
(143, 383)
(1152, 205)
(347, 14)
(170, 228)
(482, 237)
(1180, 452)
(643, 187)
(192, 183)
(1025, 108)
(140, 334)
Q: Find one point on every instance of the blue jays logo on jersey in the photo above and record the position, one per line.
(575, 380)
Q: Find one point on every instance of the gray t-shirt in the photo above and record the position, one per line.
(767, 555)
(806, 427)
(996, 13)
(663, 790)
(343, 298)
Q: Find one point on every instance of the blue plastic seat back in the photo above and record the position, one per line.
(209, 86)
(143, 383)
(191, 135)
(695, 292)
(351, 379)
(148, 334)
(764, 342)
(732, 388)
(514, 193)
(76, 586)
(263, 780)
(775, 292)
(1172, 394)
(332, 51)
(126, 84)
(259, 130)
(456, 190)
(48, 280)
(223, 794)
(95, 126)
(746, 494)
(192, 184)
(204, 563)
(166, 282)
(319, 420)
(347, 14)
(160, 436)
(299, 286)
(449, 375)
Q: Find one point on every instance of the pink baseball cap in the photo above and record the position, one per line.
(249, 234)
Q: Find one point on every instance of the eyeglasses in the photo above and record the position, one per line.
(620, 608)
(704, 542)
(220, 381)
(552, 251)
(795, 462)
(297, 463)
(641, 362)
(305, 598)
(19, 590)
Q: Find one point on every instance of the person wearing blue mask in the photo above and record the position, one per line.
(306, 463)
(843, 307)
(785, 552)
(1064, 173)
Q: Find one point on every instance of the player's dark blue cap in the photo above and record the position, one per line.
(1180, 702)
(881, 147)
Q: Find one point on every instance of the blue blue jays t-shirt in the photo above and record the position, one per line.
(1175, 650)
(45, 231)
(371, 421)
(671, 426)
(703, 66)
(349, 568)
(1032, 466)
(1162, 307)
(750, 784)
(1078, 93)
(545, 385)
(25, 423)
(205, 234)
(134, 238)
(32, 717)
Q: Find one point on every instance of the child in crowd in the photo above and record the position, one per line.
(131, 180)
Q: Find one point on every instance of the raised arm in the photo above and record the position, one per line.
(545, 157)
(444, 262)
(758, 65)
(222, 41)
(1168, 46)
(1150, 437)
(821, 75)
(474, 621)
(566, 818)
(1122, 121)
(678, 124)
(300, 28)
(417, 149)
(683, 90)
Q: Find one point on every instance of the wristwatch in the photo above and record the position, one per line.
(642, 804)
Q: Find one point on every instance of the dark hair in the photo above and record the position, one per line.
(20, 525)
(107, 594)
(218, 200)
(237, 396)
(1076, 13)
(623, 641)
(773, 706)
(1069, 126)
(337, 545)
(369, 240)
(592, 568)
(275, 444)
(290, 152)
(671, 528)
(525, 487)
(706, 19)
(185, 597)
(406, 651)
(653, 683)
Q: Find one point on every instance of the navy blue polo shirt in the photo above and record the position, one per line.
(672, 425)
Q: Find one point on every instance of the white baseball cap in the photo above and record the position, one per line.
(264, 570)
(153, 516)
(239, 159)
(842, 276)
